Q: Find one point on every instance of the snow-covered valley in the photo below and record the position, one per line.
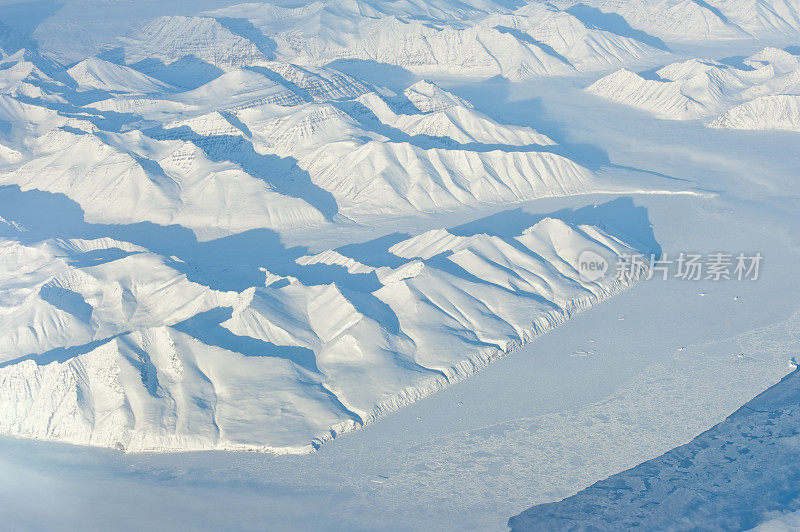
(349, 235)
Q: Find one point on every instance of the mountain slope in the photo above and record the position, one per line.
(534, 40)
(781, 112)
(94, 73)
(700, 88)
(274, 147)
(119, 349)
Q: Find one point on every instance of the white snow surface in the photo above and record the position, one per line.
(704, 484)
(94, 73)
(215, 235)
(170, 166)
(105, 343)
(778, 112)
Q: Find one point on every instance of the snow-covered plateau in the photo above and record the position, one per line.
(350, 237)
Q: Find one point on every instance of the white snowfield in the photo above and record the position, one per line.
(750, 456)
(251, 227)
(192, 133)
(760, 94)
(106, 343)
(167, 166)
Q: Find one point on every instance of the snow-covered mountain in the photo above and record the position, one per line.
(159, 309)
(94, 73)
(476, 39)
(106, 343)
(779, 112)
(273, 146)
(694, 20)
(443, 38)
(759, 94)
(136, 320)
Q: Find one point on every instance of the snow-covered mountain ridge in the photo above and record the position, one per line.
(172, 347)
(515, 40)
(760, 94)
(275, 146)
(153, 303)
(106, 343)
